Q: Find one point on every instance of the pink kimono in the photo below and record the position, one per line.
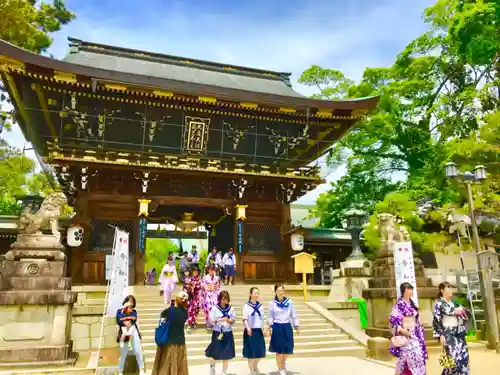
(168, 279)
(210, 285)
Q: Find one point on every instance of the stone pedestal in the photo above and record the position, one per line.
(350, 280)
(381, 295)
(35, 304)
(378, 348)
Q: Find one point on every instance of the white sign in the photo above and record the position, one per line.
(118, 285)
(404, 267)
(108, 264)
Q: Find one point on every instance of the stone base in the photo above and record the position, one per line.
(344, 288)
(378, 348)
(41, 364)
(28, 354)
(37, 297)
(38, 241)
(34, 267)
(52, 283)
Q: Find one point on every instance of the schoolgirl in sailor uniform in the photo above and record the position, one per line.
(282, 316)
(254, 347)
(221, 348)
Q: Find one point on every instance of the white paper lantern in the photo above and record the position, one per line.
(297, 240)
(75, 236)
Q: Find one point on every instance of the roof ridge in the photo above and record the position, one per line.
(77, 45)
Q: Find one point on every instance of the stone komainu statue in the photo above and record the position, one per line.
(46, 217)
(390, 232)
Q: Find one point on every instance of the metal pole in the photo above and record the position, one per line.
(487, 298)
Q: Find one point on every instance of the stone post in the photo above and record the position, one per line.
(35, 296)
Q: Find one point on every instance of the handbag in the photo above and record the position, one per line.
(399, 341)
(446, 361)
(161, 332)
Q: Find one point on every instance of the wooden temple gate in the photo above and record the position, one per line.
(118, 125)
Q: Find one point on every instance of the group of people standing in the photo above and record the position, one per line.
(171, 359)
(449, 327)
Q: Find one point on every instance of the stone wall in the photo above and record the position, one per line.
(87, 320)
(347, 311)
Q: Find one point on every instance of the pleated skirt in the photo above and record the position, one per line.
(254, 346)
(221, 350)
(281, 339)
(170, 360)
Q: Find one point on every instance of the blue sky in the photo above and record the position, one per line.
(279, 35)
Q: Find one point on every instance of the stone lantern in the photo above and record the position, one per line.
(353, 223)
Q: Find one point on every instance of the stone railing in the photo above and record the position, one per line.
(87, 320)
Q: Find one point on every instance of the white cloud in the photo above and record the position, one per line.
(347, 36)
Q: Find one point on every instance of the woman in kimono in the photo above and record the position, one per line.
(282, 316)
(152, 277)
(221, 347)
(193, 289)
(168, 279)
(210, 286)
(254, 347)
(449, 327)
(405, 322)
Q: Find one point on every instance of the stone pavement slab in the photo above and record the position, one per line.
(305, 366)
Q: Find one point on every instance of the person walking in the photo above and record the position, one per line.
(282, 316)
(212, 259)
(171, 359)
(449, 324)
(408, 343)
(193, 288)
(229, 261)
(126, 318)
(168, 279)
(221, 347)
(210, 286)
(254, 346)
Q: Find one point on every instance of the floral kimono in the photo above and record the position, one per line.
(412, 357)
(211, 287)
(446, 323)
(192, 286)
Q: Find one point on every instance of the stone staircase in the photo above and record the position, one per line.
(318, 337)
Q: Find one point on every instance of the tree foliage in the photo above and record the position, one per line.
(28, 23)
(438, 90)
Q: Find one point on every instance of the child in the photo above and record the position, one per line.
(221, 348)
(168, 279)
(254, 347)
(282, 316)
(229, 261)
(210, 287)
(193, 288)
(126, 318)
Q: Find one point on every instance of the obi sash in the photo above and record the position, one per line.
(168, 274)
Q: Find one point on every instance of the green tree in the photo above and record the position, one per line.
(28, 23)
(427, 97)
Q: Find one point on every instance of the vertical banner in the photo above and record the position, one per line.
(404, 267)
(118, 285)
(143, 230)
(239, 235)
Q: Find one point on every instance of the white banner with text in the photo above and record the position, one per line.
(404, 267)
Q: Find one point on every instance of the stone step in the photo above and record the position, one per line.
(200, 349)
(150, 310)
(318, 323)
(306, 317)
(349, 351)
(316, 330)
(204, 340)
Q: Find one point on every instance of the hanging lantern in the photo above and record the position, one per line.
(297, 240)
(74, 236)
(144, 207)
(241, 213)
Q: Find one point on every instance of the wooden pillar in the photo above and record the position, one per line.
(286, 224)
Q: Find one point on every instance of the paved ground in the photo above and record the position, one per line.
(306, 366)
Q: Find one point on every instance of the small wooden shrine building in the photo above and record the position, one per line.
(195, 138)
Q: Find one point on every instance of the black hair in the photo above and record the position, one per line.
(276, 287)
(212, 267)
(442, 286)
(128, 298)
(251, 291)
(223, 294)
(404, 286)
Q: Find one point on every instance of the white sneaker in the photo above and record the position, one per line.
(120, 373)
(282, 371)
(212, 370)
(122, 344)
(141, 372)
